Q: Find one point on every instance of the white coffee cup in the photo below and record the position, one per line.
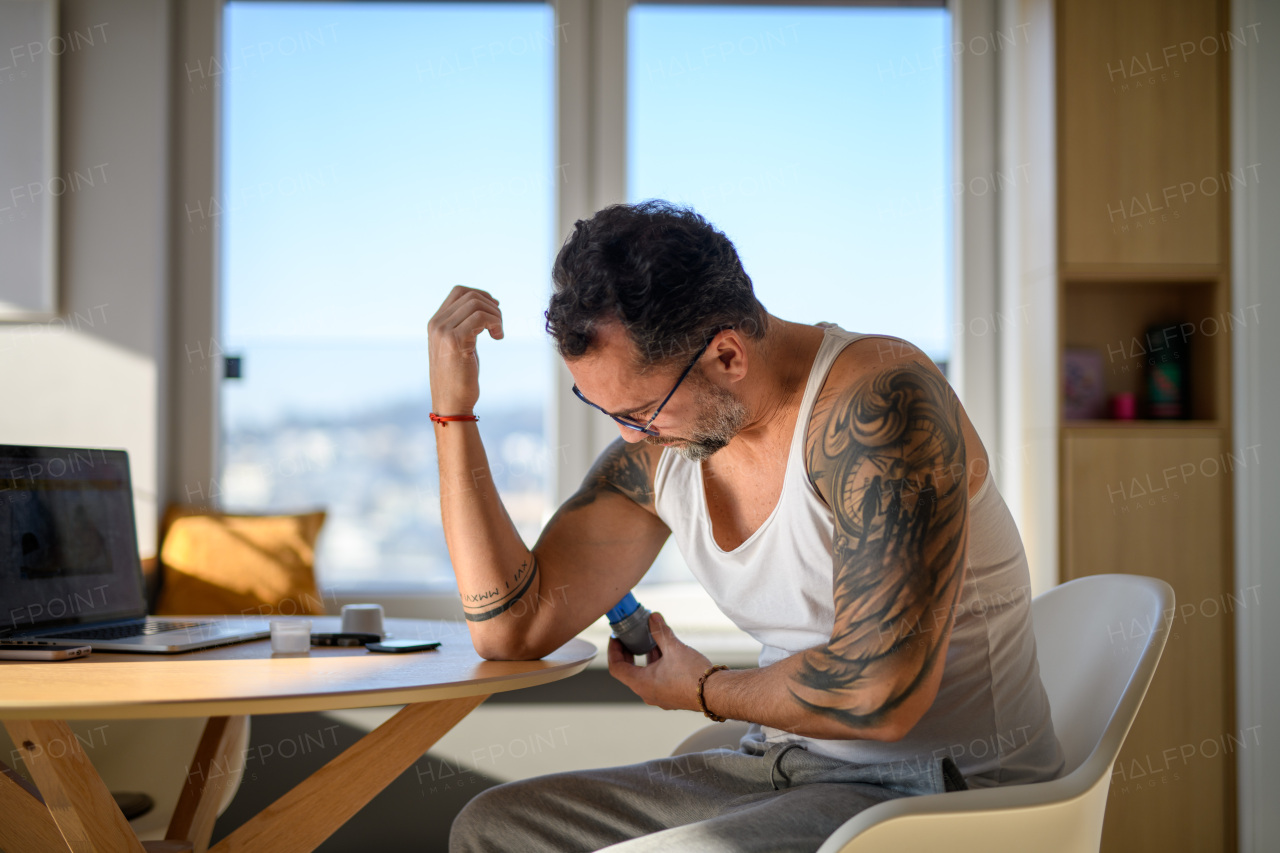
(362, 619)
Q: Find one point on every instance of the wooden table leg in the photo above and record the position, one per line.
(207, 780)
(302, 819)
(74, 793)
(27, 824)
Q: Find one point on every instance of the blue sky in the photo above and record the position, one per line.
(377, 154)
(817, 141)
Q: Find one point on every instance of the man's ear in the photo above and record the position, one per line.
(730, 351)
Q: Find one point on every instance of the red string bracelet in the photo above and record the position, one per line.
(443, 420)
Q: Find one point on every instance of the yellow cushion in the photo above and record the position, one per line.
(213, 563)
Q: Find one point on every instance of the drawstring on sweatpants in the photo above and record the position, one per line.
(776, 759)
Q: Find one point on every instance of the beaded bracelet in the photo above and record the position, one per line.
(702, 701)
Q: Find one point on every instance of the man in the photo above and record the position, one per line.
(829, 492)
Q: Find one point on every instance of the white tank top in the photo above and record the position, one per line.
(991, 713)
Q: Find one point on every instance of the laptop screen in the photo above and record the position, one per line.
(68, 546)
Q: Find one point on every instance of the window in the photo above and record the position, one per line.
(373, 157)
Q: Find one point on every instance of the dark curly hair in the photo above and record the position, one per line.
(662, 270)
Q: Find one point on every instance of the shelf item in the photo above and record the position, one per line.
(1118, 319)
(1084, 393)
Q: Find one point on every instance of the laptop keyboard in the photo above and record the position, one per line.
(130, 629)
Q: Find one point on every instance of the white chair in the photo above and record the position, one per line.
(1096, 676)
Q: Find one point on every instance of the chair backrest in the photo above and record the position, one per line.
(1098, 640)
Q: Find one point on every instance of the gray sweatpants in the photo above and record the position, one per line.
(758, 797)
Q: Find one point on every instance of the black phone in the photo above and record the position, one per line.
(344, 639)
(397, 646)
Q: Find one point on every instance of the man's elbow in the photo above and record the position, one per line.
(492, 646)
(847, 725)
(894, 731)
(890, 731)
(900, 706)
(901, 721)
(885, 726)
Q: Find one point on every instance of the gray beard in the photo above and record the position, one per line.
(723, 418)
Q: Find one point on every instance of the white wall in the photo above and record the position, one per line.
(1255, 74)
(93, 378)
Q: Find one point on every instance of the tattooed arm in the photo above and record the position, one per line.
(885, 453)
(523, 603)
(886, 450)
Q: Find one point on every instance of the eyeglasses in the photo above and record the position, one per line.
(630, 424)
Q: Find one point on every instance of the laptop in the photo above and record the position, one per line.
(69, 567)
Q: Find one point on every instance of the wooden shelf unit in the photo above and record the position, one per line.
(1153, 497)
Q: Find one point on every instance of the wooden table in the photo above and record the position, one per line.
(73, 810)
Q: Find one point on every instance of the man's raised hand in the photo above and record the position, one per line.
(451, 335)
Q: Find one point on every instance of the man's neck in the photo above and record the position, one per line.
(782, 362)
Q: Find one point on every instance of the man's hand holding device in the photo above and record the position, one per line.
(668, 680)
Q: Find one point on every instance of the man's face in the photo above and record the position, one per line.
(700, 418)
